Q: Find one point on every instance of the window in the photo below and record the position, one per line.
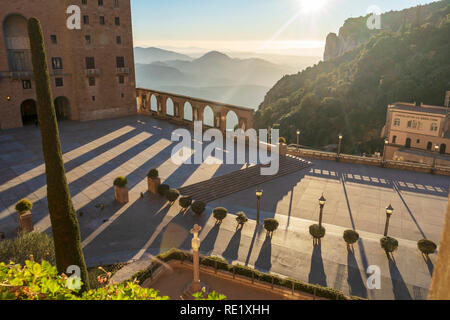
(117, 21)
(119, 40)
(26, 84)
(397, 123)
(120, 62)
(100, 3)
(102, 20)
(91, 82)
(408, 143)
(88, 40)
(121, 79)
(90, 63)
(429, 146)
(84, 2)
(434, 127)
(53, 39)
(122, 95)
(85, 19)
(59, 82)
(93, 98)
(409, 124)
(57, 63)
(394, 139)
(116, 3)
(418, 141)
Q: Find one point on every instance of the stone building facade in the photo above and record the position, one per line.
(91, 69)
(418, 133)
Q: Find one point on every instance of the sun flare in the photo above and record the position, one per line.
(312, 6)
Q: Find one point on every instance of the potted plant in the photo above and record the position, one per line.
(172, 195)
(220, 214)
(162, 189)
(198, 207)
(271, 225)
(23, 208)
(351, 237)
(282, 146)
(389, 244)
(185, 202)
(121, 190)
(427, 247)
(318, 232)
(153, 181)
(241, 219)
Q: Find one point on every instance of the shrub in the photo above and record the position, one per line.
(198, 207)
(271, 224)
(426, 246)
(172, 195)
(162, 189)
(220, 213)
(241, 218)
(351, 236)
(153, 174)
(24, 205)
(120, 182)
(185, 202)
(317, 231)
(389, 244)
(19, 249)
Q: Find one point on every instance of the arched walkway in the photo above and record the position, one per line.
(154, 103)
(62, 108)
(208, 117)
(188, 114)
(169, 107)
(232, 121)
(28, 109)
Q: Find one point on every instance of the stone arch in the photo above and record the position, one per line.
(232, 121)
(408, 143)
(28, 110)
(170, 108)
(17, 44)
(188, 111)
(62, 108)
(208, 117)
(443, 148)
(430, 146)
(153, 103)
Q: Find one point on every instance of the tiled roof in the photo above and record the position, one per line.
(428, 109)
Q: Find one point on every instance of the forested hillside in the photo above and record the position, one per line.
(350, 94)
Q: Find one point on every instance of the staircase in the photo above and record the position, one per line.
(222, 186)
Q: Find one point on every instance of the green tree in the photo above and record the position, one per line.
(66, 231)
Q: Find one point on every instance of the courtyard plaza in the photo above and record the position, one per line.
(95, 153)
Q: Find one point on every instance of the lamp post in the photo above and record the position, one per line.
(340, 145)
(298, 140)
(386, 142)
(8, 98)
(436, 148)
(389, 212)
(259, 194)
(322, 201)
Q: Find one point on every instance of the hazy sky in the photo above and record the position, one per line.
(284, 26)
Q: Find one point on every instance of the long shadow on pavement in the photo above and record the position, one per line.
(207, 245)
(399, 287)
(232, 250)
(264, 261)
(317, 272)
(354, 279)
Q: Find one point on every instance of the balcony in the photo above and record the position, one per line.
(58, 72)
(123, 70)
(93, 72)
(16, 75)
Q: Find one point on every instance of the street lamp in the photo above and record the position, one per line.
(8, 98)
(436, 148)
(259, 193)
(340, 144)
(386, 142)
(322, 202)
(389, 212)
(298, 140)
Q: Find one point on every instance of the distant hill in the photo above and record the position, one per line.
(152, 54)
(350, 93)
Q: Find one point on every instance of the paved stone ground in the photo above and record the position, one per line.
(96, 152)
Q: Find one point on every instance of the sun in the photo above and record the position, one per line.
(312, 6)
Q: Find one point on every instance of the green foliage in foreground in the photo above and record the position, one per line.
(24, 205)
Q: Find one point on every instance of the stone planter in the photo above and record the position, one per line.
(25, 221)
(283, 149)
(121, 194)
(153, 184)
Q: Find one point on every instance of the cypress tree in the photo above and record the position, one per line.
(65, 227)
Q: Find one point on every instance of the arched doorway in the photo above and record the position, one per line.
(408, 143)
(429, 146)
(28, 109)
(443, 148)
(232, 121)
(169, 107)
(62, 108)
(153, 103)
(208, 117)
(188, 114)
(17, 43)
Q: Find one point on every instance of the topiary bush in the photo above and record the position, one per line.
(153, 174)
(282, 140)
(198, 207)
(317, 231)
(351, 236)
(24, 205)
(162, 189)
(185, 202)
(172, 195)
(389, 244)
(241, 218)
(220, 213)
(271, 225)
(426, 246)
(120, 182)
